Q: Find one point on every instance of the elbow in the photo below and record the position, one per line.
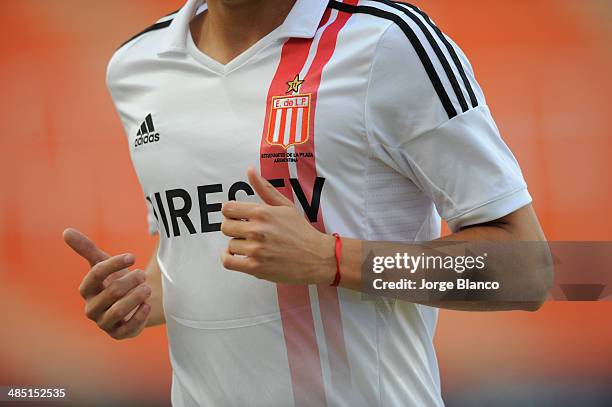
(537, 258)
(541, 281)
(533, 306)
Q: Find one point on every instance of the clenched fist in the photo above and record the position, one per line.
(273, 241)
(115, 298)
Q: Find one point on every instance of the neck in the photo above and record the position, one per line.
(230, 27)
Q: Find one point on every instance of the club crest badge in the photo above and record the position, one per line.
(289, 121)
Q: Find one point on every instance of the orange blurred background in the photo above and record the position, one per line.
(545, 67)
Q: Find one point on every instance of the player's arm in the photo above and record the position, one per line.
(528, 274)
(275, 242)
(121, 302)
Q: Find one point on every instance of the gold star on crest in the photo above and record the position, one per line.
(294, 85)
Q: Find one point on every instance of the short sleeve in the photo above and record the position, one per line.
(427, 118)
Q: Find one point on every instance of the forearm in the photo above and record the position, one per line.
(521, 268)
(153, 272)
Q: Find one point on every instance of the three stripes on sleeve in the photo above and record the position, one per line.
(439, 57)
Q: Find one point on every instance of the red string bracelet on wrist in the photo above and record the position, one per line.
(338, 252)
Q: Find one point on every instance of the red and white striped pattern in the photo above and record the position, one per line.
(289, 120)
(308, 57)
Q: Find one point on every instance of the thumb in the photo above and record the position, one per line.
(265, 190)
(84, 246)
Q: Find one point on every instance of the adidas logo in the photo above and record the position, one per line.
(146, 132)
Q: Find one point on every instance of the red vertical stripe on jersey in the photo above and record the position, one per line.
(282, 127)
(305, 119)
(307, 172)
(293, 301)
(325, 18)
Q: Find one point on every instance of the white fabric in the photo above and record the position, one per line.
(393, 163)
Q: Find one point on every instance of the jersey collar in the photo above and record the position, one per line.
(302, 22)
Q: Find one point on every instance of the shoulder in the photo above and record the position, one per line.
(140, 46)
(161, 23)
(407, 32)
(419, 54)
(385, 13)
(399, 30)
(419, 78)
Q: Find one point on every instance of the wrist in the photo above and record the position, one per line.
(326, 270)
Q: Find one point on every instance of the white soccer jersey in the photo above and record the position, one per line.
(367, 117)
